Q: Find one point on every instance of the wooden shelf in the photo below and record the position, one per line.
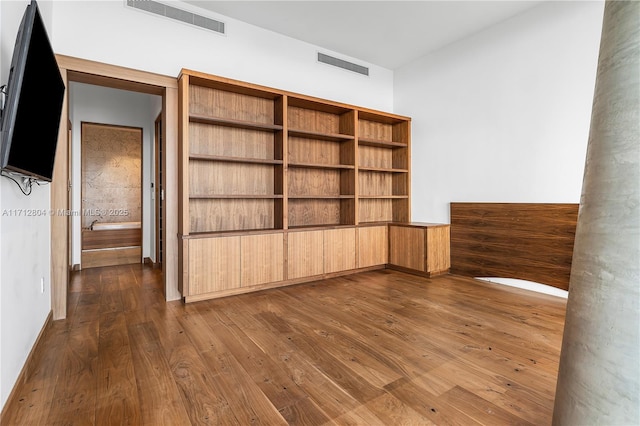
(206, 157)
(234, 197)
(318, 227)
(333, 137)
(380, 143)
(322, 197)
(257, 231)
(383, 197)
(321, 166)
(374, 223)
(240, 124)
(382, 169)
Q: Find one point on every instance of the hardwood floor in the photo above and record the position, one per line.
(374, 348)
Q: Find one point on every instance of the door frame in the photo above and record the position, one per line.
(158, 186)
(100, 74)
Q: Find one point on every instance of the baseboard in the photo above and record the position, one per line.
(27, 368)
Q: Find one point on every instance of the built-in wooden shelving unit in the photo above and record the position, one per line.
(321, 164)
(313, 183)
(383, 168)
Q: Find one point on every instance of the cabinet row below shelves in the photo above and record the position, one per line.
(222, 265)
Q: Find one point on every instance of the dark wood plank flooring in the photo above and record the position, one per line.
(373, 348)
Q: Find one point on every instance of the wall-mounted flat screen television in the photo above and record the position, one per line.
(34, 98)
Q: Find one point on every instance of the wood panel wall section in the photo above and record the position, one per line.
(530, 241)
(290, 187)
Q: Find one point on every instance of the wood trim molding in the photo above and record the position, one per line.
(101, 74)
(60, 223)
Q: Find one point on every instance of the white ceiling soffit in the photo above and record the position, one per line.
(385, 33)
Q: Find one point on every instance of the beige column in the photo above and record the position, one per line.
(599, 377)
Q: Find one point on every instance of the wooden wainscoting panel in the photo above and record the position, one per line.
(529, 241)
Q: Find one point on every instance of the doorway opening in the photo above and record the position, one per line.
(76, 70)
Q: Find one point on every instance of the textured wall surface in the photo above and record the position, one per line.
(111, 174)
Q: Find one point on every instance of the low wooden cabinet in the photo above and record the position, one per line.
(305, 254)
(420, 247)
(213, 265)
(261, 259)
(222, 265)
(373, 246)
(339, 250)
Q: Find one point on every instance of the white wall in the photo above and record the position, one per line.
(25, 243)
(102, 105)
(108, 31)
(503, 116)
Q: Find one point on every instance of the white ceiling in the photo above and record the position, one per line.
(386, 33)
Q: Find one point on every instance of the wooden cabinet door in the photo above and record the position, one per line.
(214, 264)
(305, 254)
(339, 250)
(373, 246)
(438, 249)
(407, 247)
(262, 259)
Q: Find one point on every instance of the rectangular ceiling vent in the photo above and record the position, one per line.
(177, 14)
(340, 63)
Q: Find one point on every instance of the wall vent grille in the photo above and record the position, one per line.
(340, 63)
(177, 14)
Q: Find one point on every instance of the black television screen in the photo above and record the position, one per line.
(35, 93)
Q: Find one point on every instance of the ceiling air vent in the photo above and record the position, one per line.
(177, 14)
(326, 59)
